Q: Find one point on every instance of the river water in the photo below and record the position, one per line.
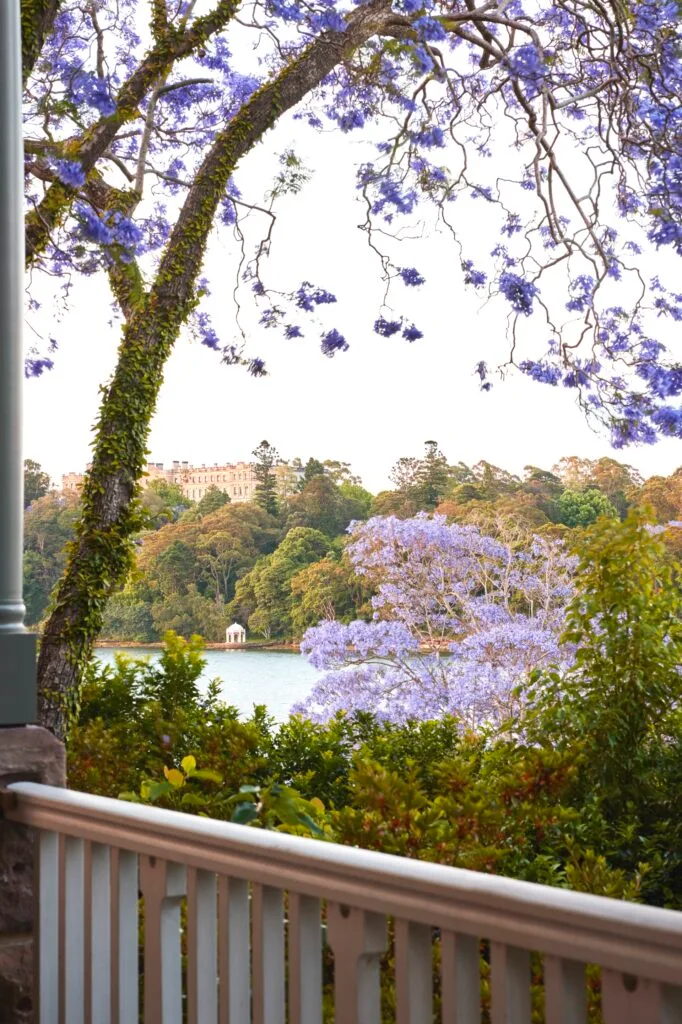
(277, 679)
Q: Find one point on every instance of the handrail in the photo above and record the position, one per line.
(623, 936)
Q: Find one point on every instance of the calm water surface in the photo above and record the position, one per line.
(277, 679)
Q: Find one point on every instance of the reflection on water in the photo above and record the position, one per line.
(277, 679)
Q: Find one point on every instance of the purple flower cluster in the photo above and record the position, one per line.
(518, 291)
(333, 342)
(460, 620)
(70, 172)
(308, 296)
(410, 276)
(93, 92)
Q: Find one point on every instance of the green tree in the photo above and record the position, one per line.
(48, 528)
(546, 488)
(163, 502)
(36, 482)
(212, 500)
(617, 481)
(581, 508)
(128, 616)
(175, 569)
(493, 482)
(312, 468)
(263, 598)
(267, 457)
(190, 614)
(340, 472)
(328, 589)
(433, 477)
(321, 505)
(359, 495)
(618, 708)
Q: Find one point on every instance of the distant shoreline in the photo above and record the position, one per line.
(265, 646)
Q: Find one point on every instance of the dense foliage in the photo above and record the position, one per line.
(191, 558)
(139, 116)
(579, 790)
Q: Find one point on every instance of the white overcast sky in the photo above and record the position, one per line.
(368, 406)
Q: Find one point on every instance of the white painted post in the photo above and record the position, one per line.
(565, 991)
(413, 972)
(234, 950)
(100, 934)
(202, 947)
(268, 955)
(510, 984)
(17, 647)
(357, 938)
(305, 960)
(125, 938)
(48, 928)
(74, 930)
(460, 979)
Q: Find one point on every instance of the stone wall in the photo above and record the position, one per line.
(27, 753)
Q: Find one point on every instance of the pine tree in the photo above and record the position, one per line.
(434, 476)
(267, 458)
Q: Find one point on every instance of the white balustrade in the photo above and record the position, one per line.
(98, 930)
(73, 921)
(460, 979)
(125, 999)
(267, 929)
(234, 951)
(305, 960)
(202, 947)
(259, 903)
(48, 928)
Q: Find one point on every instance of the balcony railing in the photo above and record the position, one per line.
(243, 926)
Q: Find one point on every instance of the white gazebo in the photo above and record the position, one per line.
(235, 634)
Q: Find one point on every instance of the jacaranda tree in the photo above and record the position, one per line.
(559, 117)
(496, 613)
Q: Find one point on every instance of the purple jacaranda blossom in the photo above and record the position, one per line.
(460, 620)
(429, 82)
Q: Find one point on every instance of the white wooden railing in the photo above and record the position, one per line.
(241, 926)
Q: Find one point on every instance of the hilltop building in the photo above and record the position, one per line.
(237, 479)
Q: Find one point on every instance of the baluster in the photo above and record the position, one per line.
(625, 997)
(74, 930)
(234, 951)
(510, 984)
(305, 960)
(413, 973)
(460, 979)
(565, 991)
(357, 938)
(98, 935)
(268, 955)
(202, 948)
(163, 886)
(47, 945)
(671, 1008)
(125, 999)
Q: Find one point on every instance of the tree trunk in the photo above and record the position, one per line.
(101, 554)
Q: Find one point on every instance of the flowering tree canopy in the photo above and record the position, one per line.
(138, 116)
(460, 620)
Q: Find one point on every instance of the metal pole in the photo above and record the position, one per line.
(17, 647)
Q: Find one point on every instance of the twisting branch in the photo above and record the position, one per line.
(174, 46)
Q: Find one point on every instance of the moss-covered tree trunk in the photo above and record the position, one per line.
(100, 555)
